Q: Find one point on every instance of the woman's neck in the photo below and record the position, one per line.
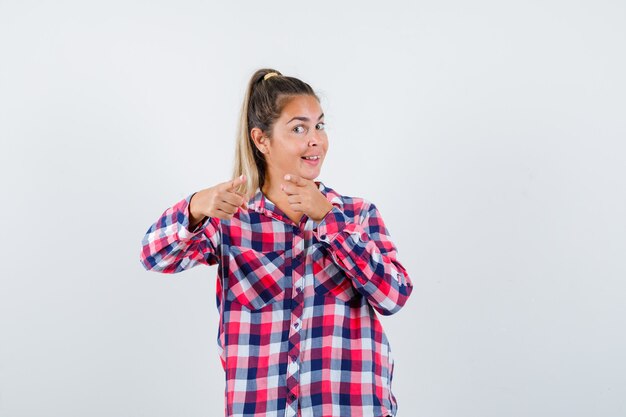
(278, 197)
(271, 190)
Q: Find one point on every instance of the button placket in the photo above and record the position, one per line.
(297, 303)
(297, 244)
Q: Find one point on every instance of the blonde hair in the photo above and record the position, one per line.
(264, 101)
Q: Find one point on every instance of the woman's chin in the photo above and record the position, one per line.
(310, 174)
(308, 171)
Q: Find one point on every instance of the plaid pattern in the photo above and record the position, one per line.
(298, 334)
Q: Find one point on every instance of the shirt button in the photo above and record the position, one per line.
(294, 358)
(299, 256)
(292, 396)
(296, 325)
(323, 237)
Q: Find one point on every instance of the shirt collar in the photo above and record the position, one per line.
(260, 203)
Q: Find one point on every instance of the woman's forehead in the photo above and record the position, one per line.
(305, 108)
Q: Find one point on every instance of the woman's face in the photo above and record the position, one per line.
(298, 133)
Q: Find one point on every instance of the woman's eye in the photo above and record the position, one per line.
(302, 129)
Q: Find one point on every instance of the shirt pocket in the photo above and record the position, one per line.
(256, 279)
(329, 279)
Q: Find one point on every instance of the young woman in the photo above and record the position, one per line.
(301, 268)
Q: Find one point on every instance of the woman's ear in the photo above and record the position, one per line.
(259, 139)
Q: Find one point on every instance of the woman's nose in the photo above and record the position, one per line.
(314, 139)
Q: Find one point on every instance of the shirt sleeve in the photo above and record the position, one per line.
(169, 246)
(365, 252)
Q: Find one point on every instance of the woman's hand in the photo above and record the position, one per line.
(304, 196)
(221, 201)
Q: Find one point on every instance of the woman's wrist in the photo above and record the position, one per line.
(324, 212)
(195, 217)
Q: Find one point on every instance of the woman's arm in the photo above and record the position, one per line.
(365, 252)
(170, 245)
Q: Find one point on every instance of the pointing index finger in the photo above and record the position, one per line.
(233, 184)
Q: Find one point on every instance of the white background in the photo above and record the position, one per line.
(489, 134)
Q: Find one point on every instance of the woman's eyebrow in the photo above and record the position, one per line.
(303, 118)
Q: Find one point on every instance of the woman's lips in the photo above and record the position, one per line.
(312, 162)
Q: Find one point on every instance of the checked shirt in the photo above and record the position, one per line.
(298, 333)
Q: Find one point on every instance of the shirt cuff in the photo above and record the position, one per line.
(184, 218)
(332, 225)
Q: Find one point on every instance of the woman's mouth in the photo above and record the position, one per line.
(312, 160)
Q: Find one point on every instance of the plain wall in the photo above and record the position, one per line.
(490, 135)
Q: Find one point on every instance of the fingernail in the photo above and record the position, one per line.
(242, 177)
